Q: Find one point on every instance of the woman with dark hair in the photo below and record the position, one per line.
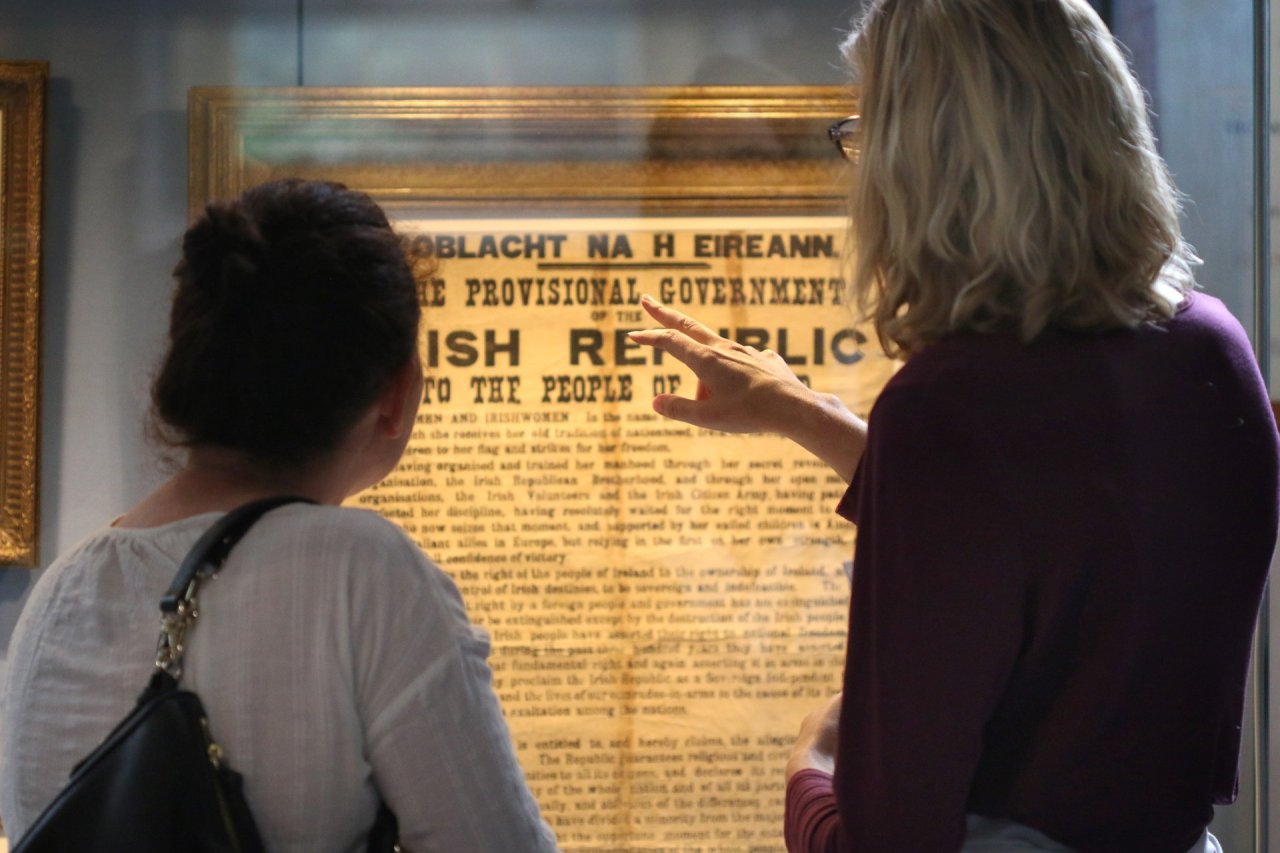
(1066, 499)
(335, 659)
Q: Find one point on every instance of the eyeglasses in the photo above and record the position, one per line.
(844, 134)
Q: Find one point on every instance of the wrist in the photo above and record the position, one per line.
(824, 426)
(805, 757)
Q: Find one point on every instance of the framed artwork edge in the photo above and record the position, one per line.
(23, 87)
(541, 150)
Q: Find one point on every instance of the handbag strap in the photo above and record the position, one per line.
(178, 610)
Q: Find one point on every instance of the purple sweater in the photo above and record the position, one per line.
(1061, 553)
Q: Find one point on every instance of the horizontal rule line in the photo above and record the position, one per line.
(630, 265)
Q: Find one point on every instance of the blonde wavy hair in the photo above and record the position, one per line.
(1008, 177)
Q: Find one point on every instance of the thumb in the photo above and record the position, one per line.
(678, 409)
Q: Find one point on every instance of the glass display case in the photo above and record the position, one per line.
(628, 144)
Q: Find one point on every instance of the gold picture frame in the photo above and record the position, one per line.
(541, 150)
(22, 110)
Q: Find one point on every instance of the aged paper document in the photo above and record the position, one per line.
(666, 603)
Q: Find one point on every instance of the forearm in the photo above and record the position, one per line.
(811, 823)
(825, 427)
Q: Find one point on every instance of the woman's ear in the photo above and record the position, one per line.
(398, 404)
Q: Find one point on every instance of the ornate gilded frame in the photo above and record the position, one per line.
(22, 109)
(586, 150)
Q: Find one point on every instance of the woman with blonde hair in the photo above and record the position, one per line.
(1066, 499)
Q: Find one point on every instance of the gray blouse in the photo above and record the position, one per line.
(335, 660)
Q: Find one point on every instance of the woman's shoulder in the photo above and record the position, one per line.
(953, 369)
(293, 525)
(968, 359)
(335, 552)
(337, 535)
(359, 562)
(1207, 316)
(359, 523)
(313, 535)
(132, 556)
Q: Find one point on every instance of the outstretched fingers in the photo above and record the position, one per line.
(697, 357)
(693, 345)
(670, 318)
(682, 347)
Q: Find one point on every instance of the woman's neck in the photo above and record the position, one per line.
(217, 480)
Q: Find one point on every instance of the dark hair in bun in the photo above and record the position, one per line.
(295, 305)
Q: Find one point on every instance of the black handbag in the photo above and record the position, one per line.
(158, 783)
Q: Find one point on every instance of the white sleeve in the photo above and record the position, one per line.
(441, 753)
